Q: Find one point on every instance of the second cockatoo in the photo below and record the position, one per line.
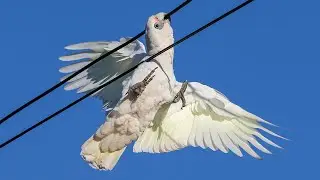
(150, 107)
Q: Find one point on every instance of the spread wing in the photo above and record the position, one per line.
(209, 120)
(104, 70)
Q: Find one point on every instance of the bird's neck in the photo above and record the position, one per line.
(165, 61)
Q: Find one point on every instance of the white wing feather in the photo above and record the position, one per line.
(209, 120)
(104, 70)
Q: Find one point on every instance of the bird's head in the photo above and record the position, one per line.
(159, 33)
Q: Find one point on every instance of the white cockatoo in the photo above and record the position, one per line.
(150, 107)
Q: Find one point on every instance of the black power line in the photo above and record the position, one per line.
(85, 67)
(125, 73)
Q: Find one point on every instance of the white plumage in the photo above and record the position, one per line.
(209, 119)
(104, 70)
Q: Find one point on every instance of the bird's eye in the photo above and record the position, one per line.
(158, 25)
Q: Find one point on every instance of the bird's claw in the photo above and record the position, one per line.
(180, 95)
(139, 87)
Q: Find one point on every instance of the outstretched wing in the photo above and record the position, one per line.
(104, 70)
(209, 120)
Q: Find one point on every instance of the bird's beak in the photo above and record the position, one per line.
(167, 17)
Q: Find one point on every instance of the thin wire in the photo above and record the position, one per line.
(125, 73)
(85, 67)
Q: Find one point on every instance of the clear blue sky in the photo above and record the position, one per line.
(264, 58)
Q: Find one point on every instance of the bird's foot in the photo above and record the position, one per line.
(180, 95)
(137, 89)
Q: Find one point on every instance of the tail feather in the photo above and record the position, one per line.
(92, 154)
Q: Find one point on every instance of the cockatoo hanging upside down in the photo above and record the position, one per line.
(150, 107)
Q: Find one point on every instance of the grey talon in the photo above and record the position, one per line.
(139, 87)
(180, 95)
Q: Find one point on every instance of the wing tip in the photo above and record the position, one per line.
(61, 58)
(266, 122)
(68, 88)
(77, 46)
(65, 58)
(62, 70)
(70, 47)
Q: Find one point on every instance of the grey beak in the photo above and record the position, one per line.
(167, 16)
